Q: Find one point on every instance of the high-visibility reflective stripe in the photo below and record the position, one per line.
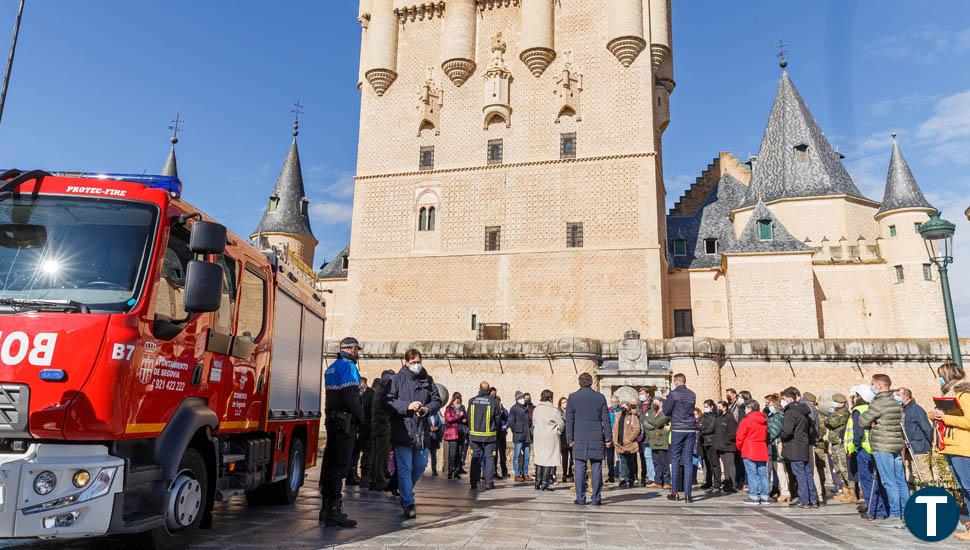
(471, 425)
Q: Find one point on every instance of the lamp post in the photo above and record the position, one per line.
(938, 237)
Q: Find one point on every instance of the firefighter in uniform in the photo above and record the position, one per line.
(344, 411)
(483, 415)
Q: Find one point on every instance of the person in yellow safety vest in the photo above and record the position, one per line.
(859, 449)
(483, 425)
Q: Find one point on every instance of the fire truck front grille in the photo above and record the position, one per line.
(14, 399)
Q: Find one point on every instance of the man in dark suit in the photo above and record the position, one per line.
(589, 435)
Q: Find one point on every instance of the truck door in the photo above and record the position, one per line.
(248, 354)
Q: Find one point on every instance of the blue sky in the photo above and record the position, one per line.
(95, 84)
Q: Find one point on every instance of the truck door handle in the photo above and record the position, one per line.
(197, 374)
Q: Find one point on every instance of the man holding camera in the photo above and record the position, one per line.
(411, 398)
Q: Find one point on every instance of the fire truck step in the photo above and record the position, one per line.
(228, 459)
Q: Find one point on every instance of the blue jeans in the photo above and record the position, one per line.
(410, 463)
(757, 474)
(893, 479)
(960, 466)
(682, 460)
(806, 481)
(526, 449)
(865, 473)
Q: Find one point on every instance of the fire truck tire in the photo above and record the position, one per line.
(185, 506)
(284, 491)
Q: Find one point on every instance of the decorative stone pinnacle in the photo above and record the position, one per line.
(381, 79)
(537, 60)
(626, 48)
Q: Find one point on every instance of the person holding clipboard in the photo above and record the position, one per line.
(952, 412)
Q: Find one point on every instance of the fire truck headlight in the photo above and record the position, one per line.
(45, 482)
(81, 478)
(100, 486)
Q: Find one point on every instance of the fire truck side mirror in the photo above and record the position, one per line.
(203, 286)
(207, 238)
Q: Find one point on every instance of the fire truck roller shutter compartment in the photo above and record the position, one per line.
(311, 366)
(286, 357)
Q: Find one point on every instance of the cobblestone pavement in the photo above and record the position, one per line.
(515, 516)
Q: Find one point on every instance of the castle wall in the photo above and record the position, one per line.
(704, 292)
(772, 296)
(816, 218)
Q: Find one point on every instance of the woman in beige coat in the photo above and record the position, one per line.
(547, 425)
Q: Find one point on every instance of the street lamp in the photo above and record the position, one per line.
(938, 238)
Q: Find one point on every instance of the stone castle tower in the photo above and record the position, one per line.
(286, 222)
(509, 172)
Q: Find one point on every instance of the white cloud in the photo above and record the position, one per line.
(926, 45)
(947, 132)
(342, 187)
(331, 213)
(953, 204)
(891, 106)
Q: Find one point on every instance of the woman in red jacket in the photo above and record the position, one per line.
(752, 441)
(455, 416)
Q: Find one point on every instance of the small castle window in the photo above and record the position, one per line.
(495, 152)
(426, 159)
(345, 262)
(680, 247)
(567, 146)
(474, 321)
(304, 206)
(711, 246)
(423, 219)
(574, 235)
(765, 230)
(274, 201)
(900, 275)
(801, 152)
(683, 323)
(431, 212)
(493, 238)
(927, 272)
(892, 230)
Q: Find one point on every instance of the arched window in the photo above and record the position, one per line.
(423, 219)
(431, 219)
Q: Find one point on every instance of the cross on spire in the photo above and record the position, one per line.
(781, 45)
(175, 126)
(297, 110)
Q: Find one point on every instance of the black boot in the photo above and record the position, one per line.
(333, 516)
(538, 477)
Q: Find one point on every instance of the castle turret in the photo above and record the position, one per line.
(363, 16)
(657, 20)
(910, 276)
(625, 30)
(286, 220)
(538, 35)
(458, 50)
(170, 168)
(382, 31)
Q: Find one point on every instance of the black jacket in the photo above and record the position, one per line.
(368, 400)
(407, 428)
(484, 413)
(725, 431)
(796, 433)
(520, 422)
(588, 424)
(679, 406)
(342, 388)
(918, 428)
(708, 423)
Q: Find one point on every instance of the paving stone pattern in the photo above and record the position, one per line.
(515, 516)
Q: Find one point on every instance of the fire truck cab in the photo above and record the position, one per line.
(151, 363)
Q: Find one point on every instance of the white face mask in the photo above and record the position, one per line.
(415, 368)
(521, 402)
(642, 398)
(740, 400)
(785, 403)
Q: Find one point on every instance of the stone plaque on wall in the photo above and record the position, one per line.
(632, 352)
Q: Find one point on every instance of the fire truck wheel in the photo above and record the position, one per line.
(284, 492)
(185, 505)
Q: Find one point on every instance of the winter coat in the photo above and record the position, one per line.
(520, 422)
(956, 437)
(836, 425)
(656, 436)
(367, 398)
(708, 421)
(483, 418)
(775, 421)
(588, 424)
(796, 433)
(342, 388)
(752, 437)
(887, 432)
(679, 406)
(725, 432)
(454, 417)
(626, 431)
(548, 425)
(380, 427)
(436, 431)
(407, 428)
(918, 428)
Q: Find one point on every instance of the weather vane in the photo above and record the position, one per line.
(176, 127)
(297, 110)
(781, 53)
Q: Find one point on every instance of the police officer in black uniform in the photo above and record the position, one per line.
(344, 411)
(484, 412)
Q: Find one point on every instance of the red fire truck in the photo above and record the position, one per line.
(151, 364)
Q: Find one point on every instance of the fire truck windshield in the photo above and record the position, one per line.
(79, 250)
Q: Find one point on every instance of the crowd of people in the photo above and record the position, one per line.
(870, 447)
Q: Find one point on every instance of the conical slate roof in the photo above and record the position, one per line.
(711, 221)
(795, 159)
(750, 239)
(902, 191)
(290, 214)
(171, 166)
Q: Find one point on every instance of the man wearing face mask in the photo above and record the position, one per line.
(484, 412)
(412, 396)
(835, 424)
(520, 423)
(344, 411)
(647, 471)
(712, 466)
(919, 431)
(885, 415)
